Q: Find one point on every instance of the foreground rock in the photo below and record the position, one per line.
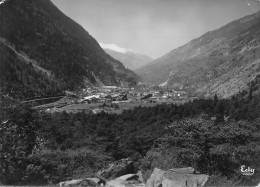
(123, 169)
(71, 182)
(120, 174)
(129, 180)
(84, 182)
(181, 177)
(117, 169)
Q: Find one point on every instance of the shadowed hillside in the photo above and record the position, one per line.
(38, 33)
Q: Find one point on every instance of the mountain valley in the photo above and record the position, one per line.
(75, 112)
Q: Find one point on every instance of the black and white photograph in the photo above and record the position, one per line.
(130, 93)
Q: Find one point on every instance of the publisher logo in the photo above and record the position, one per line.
(247, 170)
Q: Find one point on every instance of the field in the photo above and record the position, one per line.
(69, 105)
(85, 106)
(122, 106)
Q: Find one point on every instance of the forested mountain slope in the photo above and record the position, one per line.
(36, 32)
(222, 61)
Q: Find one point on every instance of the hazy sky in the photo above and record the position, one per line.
(153, 27)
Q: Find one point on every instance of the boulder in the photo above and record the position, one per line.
(155, 179)
(140, 176)
(116, 169)
(95, 181)
(83, 182)
(71, 182)
(177, 177)
(129, 180)
(129, 177)
(115, 183)
(184, 180)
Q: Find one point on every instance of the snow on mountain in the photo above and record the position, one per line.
(2, 1)
(130, 58)
(116, 48)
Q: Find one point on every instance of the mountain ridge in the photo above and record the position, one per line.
(182, 66)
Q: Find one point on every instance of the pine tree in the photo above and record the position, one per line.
(215, 100)
(220, 110)
(250, 94)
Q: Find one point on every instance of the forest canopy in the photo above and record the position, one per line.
(214, 136)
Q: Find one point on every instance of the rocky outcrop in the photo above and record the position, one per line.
(83, 182)
(156, 178)
(129, 180)
(187, 180)
(121, 174)
(117, 169)
(71, 182)
(181, 177)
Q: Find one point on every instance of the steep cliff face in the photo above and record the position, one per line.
(223, 61)
(58, 45)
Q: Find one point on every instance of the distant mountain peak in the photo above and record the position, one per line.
(116, 48)
(130, 58)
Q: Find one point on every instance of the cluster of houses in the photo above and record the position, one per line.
(104, 98)
(162, 95)
(113, 94)
(105, 94)
(108, 96)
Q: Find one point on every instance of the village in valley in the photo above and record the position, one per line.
(113, 99)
